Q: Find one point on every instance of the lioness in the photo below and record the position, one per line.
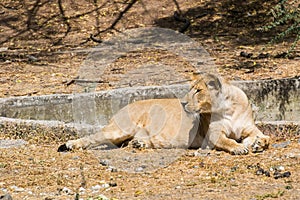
(213, 114)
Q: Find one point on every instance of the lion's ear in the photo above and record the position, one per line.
(212, 82)
(197, 76)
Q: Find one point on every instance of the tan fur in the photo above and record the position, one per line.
(213, 114)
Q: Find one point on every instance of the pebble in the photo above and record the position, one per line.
(234, 168)
(282, 144)
(66, 190)
(113, 184)
(105, 185)
(112, 169)
(278, 175)
(102, 197)
(6, 197)
(96, 187)
(104, 162)
(4, 190)
(277, 168)
(17, 189)
(81, 190)
(139, 169)
(12, 143)
(202, 153)
(76, 157)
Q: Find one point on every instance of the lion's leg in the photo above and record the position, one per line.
(218, 139)
(111, 133)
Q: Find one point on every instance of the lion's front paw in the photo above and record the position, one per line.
(63, 148)
(138, 144)
(69, 145)
(240, 149)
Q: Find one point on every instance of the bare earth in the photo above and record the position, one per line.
(39, 57)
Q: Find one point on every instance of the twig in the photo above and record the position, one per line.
(112, 26)
(186, 21)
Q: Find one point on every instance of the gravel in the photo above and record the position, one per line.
(12, 143)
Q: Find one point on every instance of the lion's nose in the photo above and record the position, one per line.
(184, 103)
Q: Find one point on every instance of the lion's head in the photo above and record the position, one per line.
(199, 97)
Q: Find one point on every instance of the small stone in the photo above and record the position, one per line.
(282, 144)
(17, 189)
(12, 143)
(105, 185)
(4, 190)
(280, 168)
(202, 153)
(113, 184)
(66, 190)
(233, 169)
(102, 197)
(260, 171)
(81, 190)
(112, 169)
(104, 162)
(267, 174)
(75, 157)
(96, 187)
(286, 174)
(139, 169)
(6, 197)
(278, 175)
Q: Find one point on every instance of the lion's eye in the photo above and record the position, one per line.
(198, 90)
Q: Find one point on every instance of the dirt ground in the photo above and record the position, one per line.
(42, 49)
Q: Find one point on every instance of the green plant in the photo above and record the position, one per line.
(286, 12)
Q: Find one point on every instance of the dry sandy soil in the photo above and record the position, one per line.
(39, 55)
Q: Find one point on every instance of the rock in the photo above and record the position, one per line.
(245, 54)
(104, 162)
(6, 197)
(113, 184)
(177, 187)
(12, 143)
(66, 190)
(261, 171)
(105, 185)
(140, 169)
(278, 175)
(81, 190)
(76, 158)
(202, 152)
(234, 168)
(17, 189)
(112, 169)
(282, 144)
(280, 168)
(295, 153)
(102, 197)
(96, 187)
